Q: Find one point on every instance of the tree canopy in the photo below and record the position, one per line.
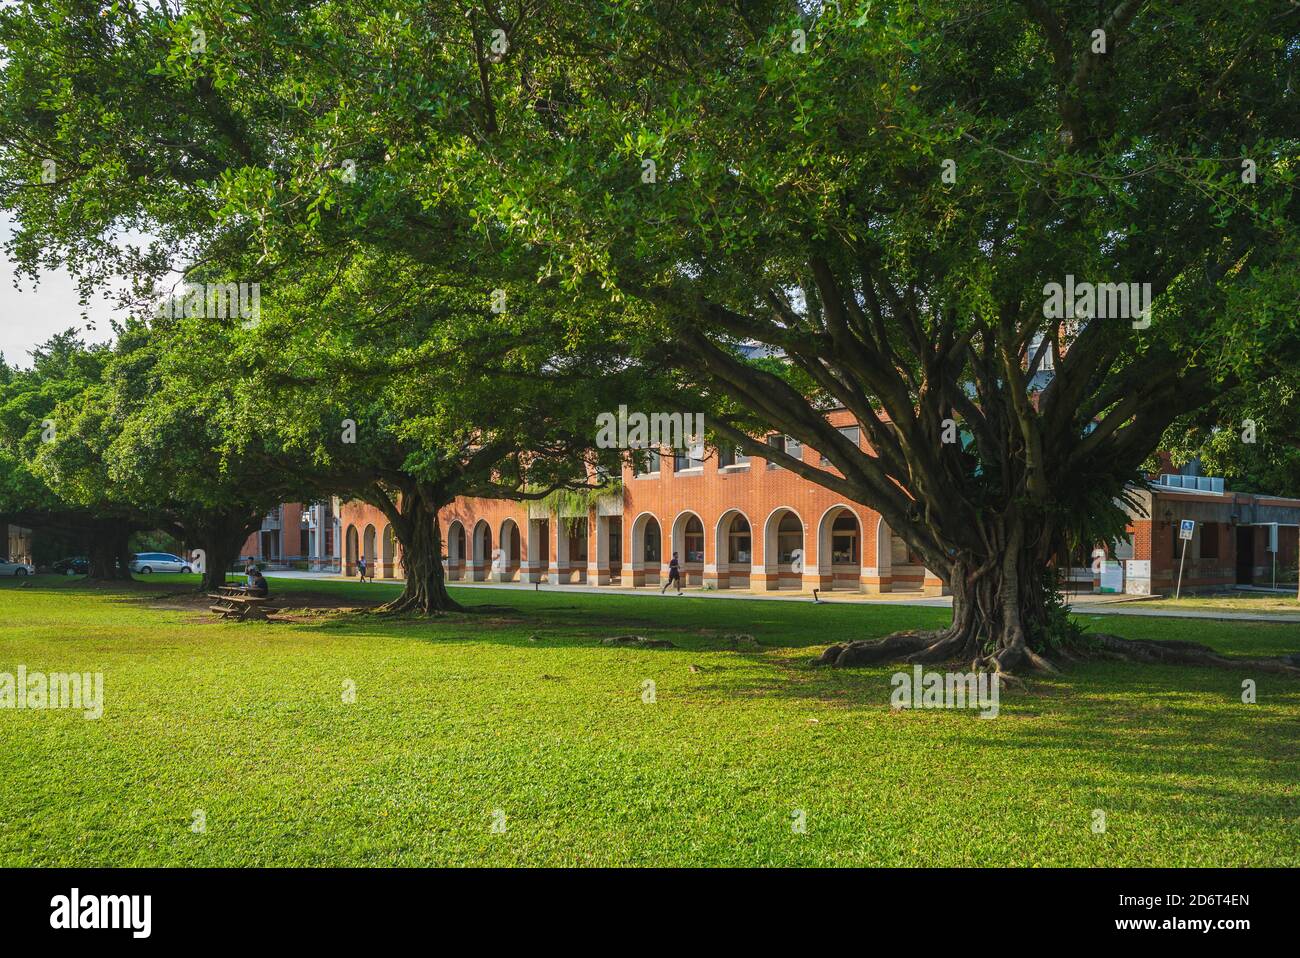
(1016, 241)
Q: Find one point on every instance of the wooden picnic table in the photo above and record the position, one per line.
(232, 604)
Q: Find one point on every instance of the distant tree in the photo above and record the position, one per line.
(253, 155)
(395, 387)
(163, 445)
(1250, 436)
(36, 406)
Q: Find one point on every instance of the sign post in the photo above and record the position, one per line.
(1185, 529)
(1272, 547)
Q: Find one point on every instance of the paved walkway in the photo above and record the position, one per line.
(1085, 604)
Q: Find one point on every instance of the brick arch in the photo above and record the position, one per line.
(351, 550)
(388, 553)
(645, 572)
(692, 570)
(509, 542)
(826, 570)
(728, 577)
(480, 565)
(455, 546)
(777, 574)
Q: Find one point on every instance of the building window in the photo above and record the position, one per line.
(1209, 540)
(789, 537)
(739, 549)
(844, 540)
(790, 446)
(693, 540)
(649, 463)
(1048, 362)
(852, 434)
(692, 458)
(729, 456)
(650, 551)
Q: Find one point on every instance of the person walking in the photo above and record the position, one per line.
(674, 575)
(361, 568)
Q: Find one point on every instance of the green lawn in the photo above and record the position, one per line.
(521, 709)
(1262, 602)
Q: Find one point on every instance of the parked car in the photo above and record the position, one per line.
(16, 568)
(77, 565)
(147, 562)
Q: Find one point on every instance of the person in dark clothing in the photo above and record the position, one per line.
(674, 575)
(257, 584)
(361, 568)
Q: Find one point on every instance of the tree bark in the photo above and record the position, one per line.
(416, 527)
(109, 551)
(1000, 615)
(999, 622)
(219, 551)
(1002, 623)
(219, 536)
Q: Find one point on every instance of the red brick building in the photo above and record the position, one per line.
(740, 523)
(295, 534)
(1237, 538)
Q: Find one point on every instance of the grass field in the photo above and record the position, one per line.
(1231, 602)
(520, 709)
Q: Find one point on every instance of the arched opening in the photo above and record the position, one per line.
(505, 564)
(733, 550)
(783, 550)
(370, 550)
(456, 550)
(574, 554)
(481, 557)
(647, 550)
(907, 569)
(388, 565)
(351, 552)
(688, 543)
(539, 550)
(605, 566)
(839, 549)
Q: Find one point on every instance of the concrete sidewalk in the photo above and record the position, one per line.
(1081, 605)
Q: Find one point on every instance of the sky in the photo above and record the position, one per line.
(29, 316)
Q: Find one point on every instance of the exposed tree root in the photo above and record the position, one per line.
(1184, 653)
(640, 641)
(419, 604)
(946, 646)
(896, 647)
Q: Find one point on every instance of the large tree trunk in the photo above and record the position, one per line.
(1002, 622)
(219, 536)
(109, 552)
(1000, 619)
(416, 527)
(219, 551)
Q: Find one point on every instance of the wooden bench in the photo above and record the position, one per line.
(241, 608)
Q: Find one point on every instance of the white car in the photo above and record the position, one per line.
(147, 562)
(16, 568)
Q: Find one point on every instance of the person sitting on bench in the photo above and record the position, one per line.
(257, 584)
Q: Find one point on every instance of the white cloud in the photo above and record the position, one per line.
(29, 316)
